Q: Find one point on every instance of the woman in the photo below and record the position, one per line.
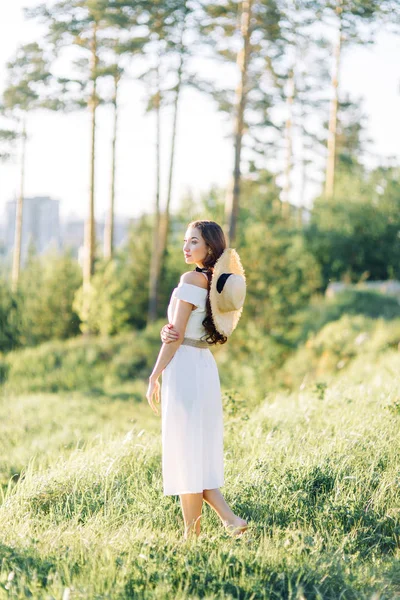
(192, 420)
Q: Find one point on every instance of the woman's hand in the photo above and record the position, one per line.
(153, 390)
(169, 334)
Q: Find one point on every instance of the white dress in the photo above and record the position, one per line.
(191, 408)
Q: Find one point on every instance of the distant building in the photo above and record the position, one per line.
(73, 231)
(72, 234)
(42, 228)
(40, 225)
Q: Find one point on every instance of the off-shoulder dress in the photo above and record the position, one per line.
(191, 408)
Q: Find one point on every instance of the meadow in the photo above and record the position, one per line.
(314, 468)
(310, 384)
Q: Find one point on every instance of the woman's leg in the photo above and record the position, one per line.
(191, 508)
(231, 521)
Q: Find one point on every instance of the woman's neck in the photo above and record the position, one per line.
(204, 269)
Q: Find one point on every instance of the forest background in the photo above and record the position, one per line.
(90, 333)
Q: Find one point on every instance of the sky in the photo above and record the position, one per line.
(58, 151)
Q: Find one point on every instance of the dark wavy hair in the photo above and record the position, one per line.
(216, 243)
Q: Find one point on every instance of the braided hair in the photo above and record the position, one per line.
(216, 243)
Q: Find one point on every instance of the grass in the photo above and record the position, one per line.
(316, 473)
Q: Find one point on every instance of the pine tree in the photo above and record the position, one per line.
(84, 24)
(88, 26)
(349, 16)
(167, 52)
(257, 24)
(28, 78)
(109, 223)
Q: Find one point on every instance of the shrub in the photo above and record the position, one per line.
(11, 327)
(338, 343)
(351, 302)
(47, 287)
(82, 363)
(358, 233)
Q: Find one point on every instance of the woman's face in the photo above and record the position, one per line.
(194, 247)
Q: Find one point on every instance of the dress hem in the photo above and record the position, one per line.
(214, 487)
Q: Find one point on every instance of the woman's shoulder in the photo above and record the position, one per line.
(194, 278)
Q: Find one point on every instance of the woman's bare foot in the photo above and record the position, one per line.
(190, 535)
(235, 526)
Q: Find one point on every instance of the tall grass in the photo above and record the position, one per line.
(311, 460)
(316, 473)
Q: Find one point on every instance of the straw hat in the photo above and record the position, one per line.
(227, 291)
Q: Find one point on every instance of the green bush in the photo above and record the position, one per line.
(82, 363)
(351, 302)
(337, 344)
(358, 233)
(281, 276)
(11, 327)
(110, 298)
(252, 363)
(248, 361)
(47, 287)
(368, 303)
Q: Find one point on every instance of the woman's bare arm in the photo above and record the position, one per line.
(180, 319)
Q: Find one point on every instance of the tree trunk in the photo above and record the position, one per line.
(18, 216)
(109, 225)
(289, 145)
(89, 243)
(232, 200)
(155, 256)
(331, 159)
(303, 184)
(303, 160)
(165, 219)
